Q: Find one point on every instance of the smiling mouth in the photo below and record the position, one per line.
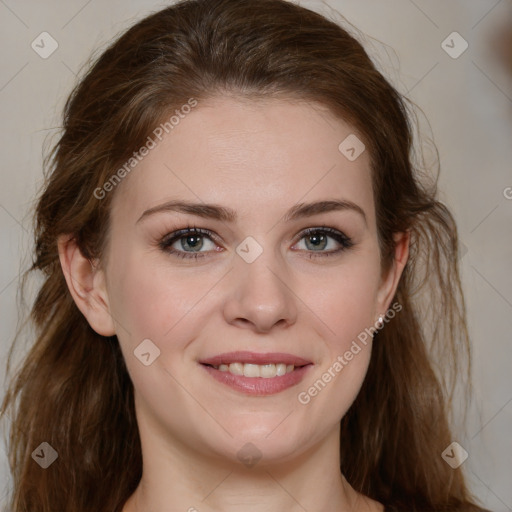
(257, 374)
(264, 371)
(258, 379)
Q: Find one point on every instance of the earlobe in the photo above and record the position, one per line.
(86, 283)
(389, 284)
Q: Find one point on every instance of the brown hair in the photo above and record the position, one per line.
(73, 390)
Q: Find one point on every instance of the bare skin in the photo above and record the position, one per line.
(260, 159)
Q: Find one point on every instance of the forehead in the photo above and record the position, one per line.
(254, 156)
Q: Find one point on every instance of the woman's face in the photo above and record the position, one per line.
(261, 290)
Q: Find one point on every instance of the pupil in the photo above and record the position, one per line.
(317, 240)
(195, 241)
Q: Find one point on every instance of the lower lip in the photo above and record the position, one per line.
(259, 386)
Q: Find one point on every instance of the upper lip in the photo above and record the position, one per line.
(255, 358)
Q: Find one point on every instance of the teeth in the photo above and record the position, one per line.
(251, 370)
(266, 371)
(236, 368)
(280, 369)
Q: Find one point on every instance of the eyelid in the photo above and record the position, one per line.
(168, 240)
(179, 233)
(332, 232)
(341, 238)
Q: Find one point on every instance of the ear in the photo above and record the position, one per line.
(86, 284)
(389, 282)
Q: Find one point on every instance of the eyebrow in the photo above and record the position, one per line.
(221, 213)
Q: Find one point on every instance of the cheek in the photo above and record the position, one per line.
(345, 303)
(150, 300)
(344, 299)
(149, 297)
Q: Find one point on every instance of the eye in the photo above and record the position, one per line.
(317, 239)
(188, 242)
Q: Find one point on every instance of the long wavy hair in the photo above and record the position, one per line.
(72, 389)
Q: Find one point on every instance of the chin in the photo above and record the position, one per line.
(265, 442)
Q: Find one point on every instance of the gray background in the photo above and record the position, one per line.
(467, 100)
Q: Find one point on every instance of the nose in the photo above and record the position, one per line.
(260, 295)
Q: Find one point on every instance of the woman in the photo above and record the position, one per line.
(237, 248)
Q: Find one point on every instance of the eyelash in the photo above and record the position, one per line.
(166, 243)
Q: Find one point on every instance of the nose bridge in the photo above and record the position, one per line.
(261, 293)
